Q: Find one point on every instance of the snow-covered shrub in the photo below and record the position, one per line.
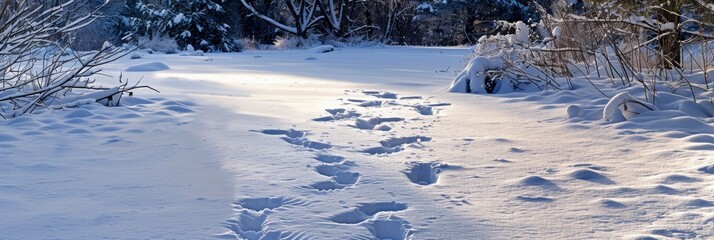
(477, 78)
(195, 22)
(294, 41)
(625, 56)
(247, 44)
(353, 41)
(64, 79)
(506, 63)
(159, 43)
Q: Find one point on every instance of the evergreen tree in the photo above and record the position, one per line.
(198, 23)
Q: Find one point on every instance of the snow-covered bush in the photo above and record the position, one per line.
(247, 44)
(293, 41)
(622, 56)
(506, 63)
(195, 22)
(159, 43)
(37, 73)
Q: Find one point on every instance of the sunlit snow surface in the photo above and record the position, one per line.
(357, 143)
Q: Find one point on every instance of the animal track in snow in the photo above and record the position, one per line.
(364, 211)
(423, 173)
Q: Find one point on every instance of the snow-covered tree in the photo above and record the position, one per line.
(463, 21)
(198, 23)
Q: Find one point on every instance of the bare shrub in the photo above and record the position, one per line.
(36, 72)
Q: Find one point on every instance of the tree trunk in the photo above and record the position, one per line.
(669, 44)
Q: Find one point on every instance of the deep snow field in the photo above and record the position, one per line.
(359, 143)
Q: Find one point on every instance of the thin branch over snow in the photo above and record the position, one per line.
(35, 71)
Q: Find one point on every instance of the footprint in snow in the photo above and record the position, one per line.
(339, 173)
(337, 114)
(707, 169)
(389, 226)
(326, 158)
(338, 170)
(383, 95)
(375, 123)
(364, 211)
(296, 137)
(429, 109)
(253, 215)
(394, 145)
(371, 104)
(269, 203)
(423, 173)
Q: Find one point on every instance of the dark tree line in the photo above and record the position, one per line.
(412, 22)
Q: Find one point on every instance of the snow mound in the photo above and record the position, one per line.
(473, 77)
(196, 53)
(575, 111)
(148, 67)
(321, 49)
(623, 107)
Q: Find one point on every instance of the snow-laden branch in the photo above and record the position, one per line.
(36, 71)
(273, 22)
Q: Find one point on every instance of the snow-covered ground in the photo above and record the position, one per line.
(357, 143)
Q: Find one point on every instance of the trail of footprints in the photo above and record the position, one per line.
(254, 214)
